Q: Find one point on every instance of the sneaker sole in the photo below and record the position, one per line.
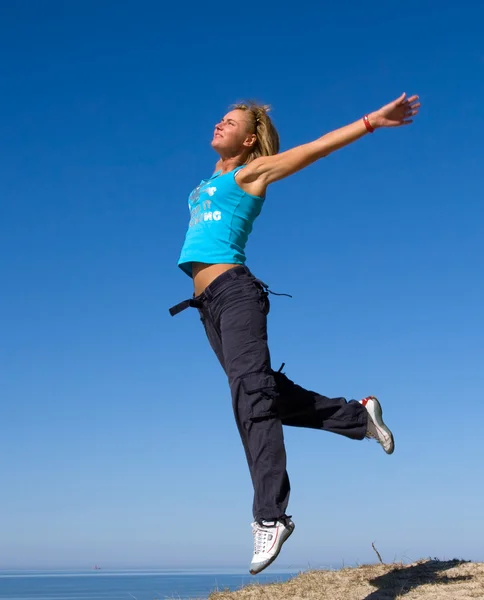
(381, 425)
(285, 535)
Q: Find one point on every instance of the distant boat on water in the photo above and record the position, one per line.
(96, 568)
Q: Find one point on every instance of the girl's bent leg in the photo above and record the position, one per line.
(299, 407)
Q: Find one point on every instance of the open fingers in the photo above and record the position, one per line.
(412, 106)
(412, 102)
(411, 111)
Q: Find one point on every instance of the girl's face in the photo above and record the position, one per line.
(232, 134)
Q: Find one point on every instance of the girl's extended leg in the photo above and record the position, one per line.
(237, 309)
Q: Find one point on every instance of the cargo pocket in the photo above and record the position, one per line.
(261, 390)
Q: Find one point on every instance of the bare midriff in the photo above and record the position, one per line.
(204, 274)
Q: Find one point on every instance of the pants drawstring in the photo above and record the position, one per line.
(266, 288)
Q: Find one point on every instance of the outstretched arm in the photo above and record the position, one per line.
(265, 170)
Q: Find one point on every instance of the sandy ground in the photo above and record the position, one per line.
(423, 580)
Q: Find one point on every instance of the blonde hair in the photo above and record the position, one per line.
(267, 142)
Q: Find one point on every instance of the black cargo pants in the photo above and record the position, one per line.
(233, 310)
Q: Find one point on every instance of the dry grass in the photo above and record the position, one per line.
(423, 580)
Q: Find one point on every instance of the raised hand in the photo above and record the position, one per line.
(396, 113)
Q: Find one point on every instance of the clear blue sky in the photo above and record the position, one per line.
(117, 441)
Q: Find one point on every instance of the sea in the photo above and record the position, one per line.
(125, 584)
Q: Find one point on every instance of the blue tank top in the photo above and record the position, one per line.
(221, 219)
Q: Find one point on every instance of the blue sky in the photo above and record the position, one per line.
(117, 442)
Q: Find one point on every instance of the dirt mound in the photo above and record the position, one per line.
(423, 580)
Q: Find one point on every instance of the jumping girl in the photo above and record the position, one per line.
(233, 305)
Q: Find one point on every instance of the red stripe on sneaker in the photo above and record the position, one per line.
(275, 539)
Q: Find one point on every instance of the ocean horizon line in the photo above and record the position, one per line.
(6, 572)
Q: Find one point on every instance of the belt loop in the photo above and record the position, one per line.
(207, 294)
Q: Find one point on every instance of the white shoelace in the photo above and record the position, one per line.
(262, 535)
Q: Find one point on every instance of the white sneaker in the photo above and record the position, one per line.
(268, 539)
(376, 428)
